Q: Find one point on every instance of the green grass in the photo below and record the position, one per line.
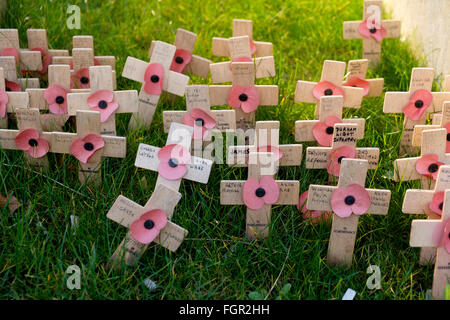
(216, 261)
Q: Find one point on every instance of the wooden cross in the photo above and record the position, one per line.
(244, 75)
(221, 48)
(344, 228)
(29, 60)
(9, 66)
(101, 78)
(332, 73)
(173, 82)
(344, 135)
(88, 122)
(434, 233)
(198, 169)
(329, 106)
(15, 100)
(395, 102)
(185, 40)
(444, 120)
(373, 24)
(240, 52)
(266, 140)
(436, 117)
(261, 164)
(356, 71)
(125, 212)
(418, 202)
(26, 119)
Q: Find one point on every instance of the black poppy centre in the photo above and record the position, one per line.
(8, 89)
(149, 224)
(260, 192)
(418, 104)
(441, 205)
(59, 99)
(373, 30)
(328, 92)
(32, 142)
(432, 168)
(199, 122)
(173, 163)
(154, 78)
(243, 97)
(340, 159)
(349, 200)
(329, 130)
(179, 60)
(448, 136)
(84, 80)
(102, 104)
(89, 146)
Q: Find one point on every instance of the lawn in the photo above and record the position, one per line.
(215, 261)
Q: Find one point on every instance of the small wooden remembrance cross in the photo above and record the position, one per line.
(12, 80)
(356, 76)
(10, 100)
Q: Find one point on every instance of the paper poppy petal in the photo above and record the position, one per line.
(278, 154)
(249, 196)
(445, 242)
(188, 120)
(106, 113)
(58, 108)
(271, 187)
(40, 150)
(436, 202)
(78, 150)
(208, 121)
(320, 88)
(154, 88)
(362, 198)
(13, 86)
(424, 162)
(320, 131)
(338, 203)
(447, 127)
(333, 165)
(144, 235)
(158, 217)
(252, 47)
(252, 102)
(171, 173)
(174, 151)
(23, 137)
(98, 96)
(185, 55)
(379, 35)
(10, 52)
(359, 83)
(233, 97)
(363, 29)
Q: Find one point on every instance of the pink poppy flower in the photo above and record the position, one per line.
(326, 88)
(180, 60)
(351, 199)
(12, 86)
(445, 242)
(103, 101)
(278, 154)
(420, 101)
(240, 59)
(335, 158)
(83, 149)
(56, 97)
(46, 59)
(447, 127)
(246, 98)
(373, 32)
(358, 83)
(315, 216)
(201, 119)
(4, 99)
(10, 52)
(80, 79)
(437, 203)
(428, 165)
(153, 78)
(257, 193)
(323, 131)
(29, 141)
(148, 226)
(173, 159)
(252, 47)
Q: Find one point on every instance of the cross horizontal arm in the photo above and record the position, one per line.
(405, 169)
(317, 157)
(426, 233)
(268, 95)
(304, 93)
(225, 119)
(416, 201)
(292, 155)
(304, 129)
(393, 29)
(220, 48)
(127, 101)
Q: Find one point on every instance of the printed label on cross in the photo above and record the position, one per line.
(330, 113)
(174, 162)
(147, 224)
(102, 98)
(330, 85)
(12, 80)
(415, 104)
(155, 77)
(372, 30)
(343, 146)
(184, 61)
(356, 77)
(241, 52)
(221, 47)
(88, 146)
(10, 100)
(436, 234)
(348, 201)
(424, 168)
(243, 95)
(266, 140)
(9, 46)
(28, 138)
(429, 202)
(259, 193)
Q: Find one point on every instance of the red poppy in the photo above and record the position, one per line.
(180, 60)
(4, 99)
(315, 216)
(56, 97)
(323, 131)
(326, 88)
(83, 149)
(246, 98)
(359, 83)
(335, 158)
(372, 31)
(201, 119)
(447, 127)
(10, 52)
(257, 193)
(351, 199)
(437, 202)
(103, 101)
(148, 226)
(428, 165)
(278, 154)
(29, 141)
(173, 159)
(153, 79)
(445, 242)
(12, 86)
(420, 101)
(240, 59)
(80, 79)
(46, 59)
(252, 47)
